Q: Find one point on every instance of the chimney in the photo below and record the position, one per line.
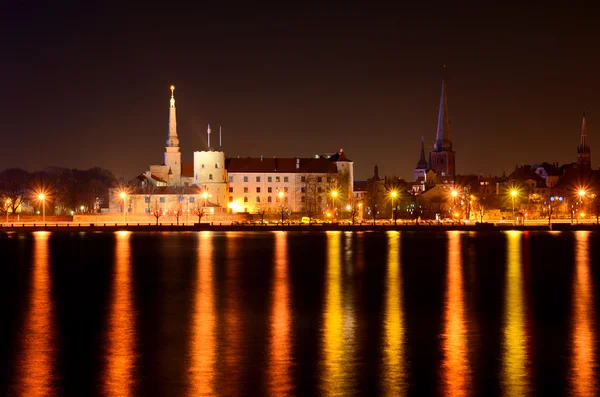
(261, 157)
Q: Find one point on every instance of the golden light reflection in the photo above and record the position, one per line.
(120, 356)
(203, 344)
(38, 368)
(280, 360)
(233, 332)
(395, 376)
(336, 375)
(455, 368)
(583, 340)
(515, 360)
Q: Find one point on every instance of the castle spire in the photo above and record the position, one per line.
(583, 132)
(172, 139)
(208, 132)
(442, 140)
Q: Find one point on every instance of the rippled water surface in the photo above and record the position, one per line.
(235, 314)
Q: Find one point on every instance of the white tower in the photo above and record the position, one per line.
(172, 153)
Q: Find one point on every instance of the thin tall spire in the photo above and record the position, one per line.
(583, 132)
(220, 145)
(422, 164)
(442, 140)
(172, 138)
(583, 150)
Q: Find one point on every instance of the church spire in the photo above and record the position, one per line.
(422, 164)
(583, 150)
(442, 140)
(172, 139)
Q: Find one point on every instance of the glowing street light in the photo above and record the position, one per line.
(7, 205)
(394, 194)
(513, 194)
(334, 194)
(42, 198)
(280, 194)
(123, 195)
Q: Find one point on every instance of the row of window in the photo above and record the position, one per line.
(162, 200)
(216, 166)
(277, 200)
(269, 189)
(278, 179)
(210, 177)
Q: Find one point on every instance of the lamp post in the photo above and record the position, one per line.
(280, 194)
(7, 203)
(513, 194)
(360, 205)
(42, 197)
(582, 193)
(394, 194)
(334, 194)
(123, 195)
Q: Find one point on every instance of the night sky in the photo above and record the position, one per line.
(86, 86)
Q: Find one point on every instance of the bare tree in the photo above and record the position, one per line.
(156, 210)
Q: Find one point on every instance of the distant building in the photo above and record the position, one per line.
(442, 158)
(241, 184)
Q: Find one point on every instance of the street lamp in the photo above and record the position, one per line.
(123, 195)
(334, 194)
(280, 194)
(513, 194)
(7, 204)
(394, 194)
(42, 197)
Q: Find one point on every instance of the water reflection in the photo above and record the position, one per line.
(583, 360)
(515, 357)
(120, 355)
(395, 379)
(203, 344)
(280, 360)
(38, 363)
(455, 368)
(337, 334)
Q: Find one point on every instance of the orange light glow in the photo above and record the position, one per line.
(203, 344)
(454, 193)
(41, 196)
(456, 373)
(583, 338)
(280, 383)
(119, 378)
(395, 379)
(515, 368)
(38, 375)
(123, 195)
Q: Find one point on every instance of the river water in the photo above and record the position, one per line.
(276, 314)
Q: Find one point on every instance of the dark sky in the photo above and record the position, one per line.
(88, 85)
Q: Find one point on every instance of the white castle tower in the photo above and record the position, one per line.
(210, 173)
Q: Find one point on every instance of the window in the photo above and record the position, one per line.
(245, 199)
(269, 179)
(269, 199)
(230, 178)
(216, 165)
(328, 179)
(319, 190)
(276, 199)
(285, 199)
(285, 189)
(162, 200)
(245, 179)
(246, 189)
(302, 189)
(202, 166)
(210, 177)
(192, 200)
(230, 189)
(231, 199)
(319, 199)
(303, 199)
(286, 179)
(147, 199)
(269, 189)
(319, 179)
(257, 190)
(257, 199)
(147, 210)
(303, 179)
(277, 179)
(258, 179)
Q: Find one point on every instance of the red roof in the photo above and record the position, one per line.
(187, 169)
(283, 165)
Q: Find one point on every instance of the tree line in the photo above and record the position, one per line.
(64, 189)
